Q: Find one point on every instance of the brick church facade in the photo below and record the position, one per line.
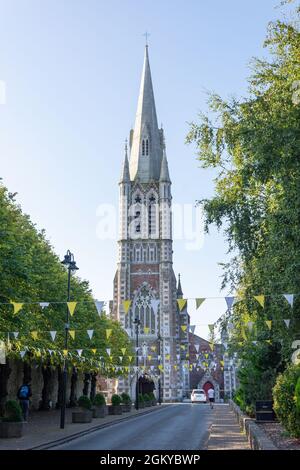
(145, 258)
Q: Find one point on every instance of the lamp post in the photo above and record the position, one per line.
(159, 372)
(70, 265)
(137, 323)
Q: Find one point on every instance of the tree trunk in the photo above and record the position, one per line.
(60, 387)
(86, 383)
(46, 392)
(5, 371)
(26, 372)
(93, 385)
(73, 397)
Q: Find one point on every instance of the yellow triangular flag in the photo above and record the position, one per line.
(244, 333)
(160, 367)
(94, 351)
(168, 357)
(269, 324)
(181, 304)
(222, 363)
(182, 346)
(260, 299)
(72, 333)
(268, 341)
(146, 329)
(187, 356)
(71, 307)
(130, 358)
(153, 348)
(17, 306)
(123, 351)
(206, 356)
(149, 358)
(211, 328)
(175, 366)
(34, 335)
(65, 352)
(183, 327)
(126, 305)
(108, 333)
(212, 346)
(199, 302)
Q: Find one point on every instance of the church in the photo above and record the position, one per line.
(145, 275)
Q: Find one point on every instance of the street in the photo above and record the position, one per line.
(183, 426)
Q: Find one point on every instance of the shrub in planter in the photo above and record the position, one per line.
(115, 408)
(285, 399)
(126, 402)
(141, 401)
(147, 399)
(152, 398)
(11, 424)
(85, 414)
(99, 406)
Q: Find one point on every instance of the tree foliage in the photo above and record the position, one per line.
(30, 272)
(254, 145)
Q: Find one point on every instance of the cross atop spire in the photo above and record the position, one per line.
(146, 34)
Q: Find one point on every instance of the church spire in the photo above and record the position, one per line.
(125, 177)
(146, 147)
(179, 289)
(164, 170)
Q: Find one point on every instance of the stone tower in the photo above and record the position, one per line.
(145, 259)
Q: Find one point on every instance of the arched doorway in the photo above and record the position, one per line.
(146, 384)
(207, 386)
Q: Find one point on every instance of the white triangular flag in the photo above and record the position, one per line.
(53, 335)
(289, 298)
(136, 349)
(121, 358)
(197, 347)
(154, 305)
(192, 328)
(128, 331)
(99, 306)
(16, 334)
(22, 354)
(287, 322)
(44, 304)
(79, 352)
(178, 357)
(108, 350)
(90, 333)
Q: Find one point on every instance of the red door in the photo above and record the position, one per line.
(207, 386)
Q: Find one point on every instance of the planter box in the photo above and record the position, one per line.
(115, 410)
(126, 407)
(142, 404)
(147, 403)
(11, 429)
(82, 416)
(99, 411)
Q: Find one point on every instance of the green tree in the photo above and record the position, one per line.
(253, 145)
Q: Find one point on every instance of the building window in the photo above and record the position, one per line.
(143, 309)
(145, 147)
(151, 214)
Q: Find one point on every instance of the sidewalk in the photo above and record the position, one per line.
(225, 433)
(43, 427)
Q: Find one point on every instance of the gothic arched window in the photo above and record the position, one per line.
(152, 214)
(144, 311)
(145, 147)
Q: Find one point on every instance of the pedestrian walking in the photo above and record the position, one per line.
(24, 393)
(211, 397)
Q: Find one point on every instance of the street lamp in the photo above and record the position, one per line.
(70, 265)
(159, 372)
(137, 323)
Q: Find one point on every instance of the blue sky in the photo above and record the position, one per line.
(72, 70)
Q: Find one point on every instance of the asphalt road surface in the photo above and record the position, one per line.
(183, 426)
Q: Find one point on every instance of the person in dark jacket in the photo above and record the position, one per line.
(24, 393)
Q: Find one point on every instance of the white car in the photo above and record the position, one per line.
(198, 396)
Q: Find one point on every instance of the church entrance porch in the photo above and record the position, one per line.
(146, 385)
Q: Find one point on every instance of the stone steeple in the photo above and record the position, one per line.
(179, 289)
(164, 170)
(125, 177)
(146, 139)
